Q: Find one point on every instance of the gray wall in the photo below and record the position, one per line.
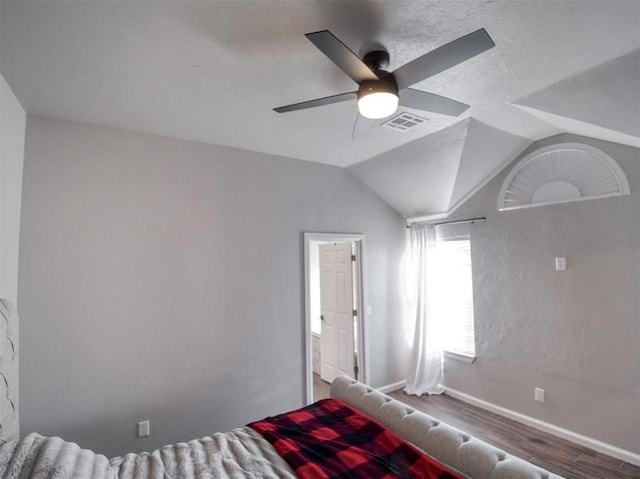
(12, 130)
(162, 279)
(574, 333)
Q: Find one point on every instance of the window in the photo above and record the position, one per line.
(454, 291)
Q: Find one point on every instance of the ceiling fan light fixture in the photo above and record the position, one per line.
(378, 105)
(378, 98)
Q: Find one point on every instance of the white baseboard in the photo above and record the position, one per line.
(599, 446)
(392, 387)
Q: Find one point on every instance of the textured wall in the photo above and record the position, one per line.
(163, 279)
(9, 384)
(574, 333)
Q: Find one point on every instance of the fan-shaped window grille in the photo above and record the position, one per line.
(559, 174)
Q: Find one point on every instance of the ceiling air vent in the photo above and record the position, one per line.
(403, 122)
(559, 174)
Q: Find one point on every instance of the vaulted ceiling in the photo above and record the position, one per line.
(213, 71)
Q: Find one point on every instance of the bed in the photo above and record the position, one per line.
(359, 432)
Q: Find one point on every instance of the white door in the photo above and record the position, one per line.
(336, 307)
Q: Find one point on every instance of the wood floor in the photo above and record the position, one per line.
(559, 456)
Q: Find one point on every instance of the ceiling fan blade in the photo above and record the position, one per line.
(361, 127)
(422, 100)
(340, 54)
(443, 57)
(327, 100)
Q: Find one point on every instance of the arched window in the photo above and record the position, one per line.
(561, 173)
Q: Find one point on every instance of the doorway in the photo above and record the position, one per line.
(333, 317)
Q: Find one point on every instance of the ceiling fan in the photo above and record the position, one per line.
(380, 92)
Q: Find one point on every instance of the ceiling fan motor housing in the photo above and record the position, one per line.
(385, 83)
(376, 60)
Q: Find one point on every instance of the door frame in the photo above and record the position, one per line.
(359, 240)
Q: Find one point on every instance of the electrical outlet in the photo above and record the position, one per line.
(144, 429)
(538, 394)
(561, 263)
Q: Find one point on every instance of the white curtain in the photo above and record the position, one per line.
(425, 373)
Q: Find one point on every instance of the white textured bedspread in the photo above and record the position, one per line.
(38, 457)
(239, 454)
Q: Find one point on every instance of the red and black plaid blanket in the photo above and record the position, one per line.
(329, 439)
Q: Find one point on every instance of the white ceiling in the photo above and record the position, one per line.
(605, 97)
(212, 72)
(435, 174)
